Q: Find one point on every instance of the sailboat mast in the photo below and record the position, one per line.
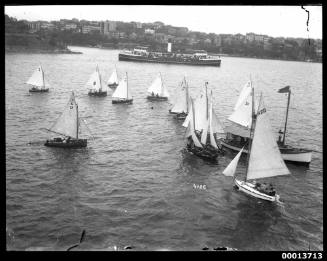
(186, 93)
(206, 100)
(127, 85)
(161, 83)
(43, 83)
(77, 120)
(193, 114)
(251, 133)
(288, 104)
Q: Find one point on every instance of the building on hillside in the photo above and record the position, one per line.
(250, 37)
(86, 29)
(149, 31)
(34, 26)
(161, 37)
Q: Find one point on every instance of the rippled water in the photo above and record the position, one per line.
(134, 184)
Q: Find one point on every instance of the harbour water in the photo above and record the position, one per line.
(134, 184)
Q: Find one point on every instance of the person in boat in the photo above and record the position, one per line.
(68, 139)
(152, 93)
(157, 95)
(280, 137)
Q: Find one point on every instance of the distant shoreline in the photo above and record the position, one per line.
(19, 49)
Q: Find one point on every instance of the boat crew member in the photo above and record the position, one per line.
(152, 94)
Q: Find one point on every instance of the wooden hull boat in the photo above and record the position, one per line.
(60, 143)
(208, 152)
(39, 90)
(155, 98)
(122, 101)
(289, 154)
(98, 94)
(113, 86)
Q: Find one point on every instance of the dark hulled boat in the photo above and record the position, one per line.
(96, 88)
(37, 81)
(67, 125)
(141, 54)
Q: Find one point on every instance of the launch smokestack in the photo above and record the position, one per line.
(169, 47)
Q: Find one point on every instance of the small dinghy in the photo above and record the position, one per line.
(122, 94)
(95, 85)
(38, 82)
(113, 80)
(263, 161)
(67, 125)
(157, 90)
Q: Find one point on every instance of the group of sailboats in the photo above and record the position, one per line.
(263, 159)
(238, 135)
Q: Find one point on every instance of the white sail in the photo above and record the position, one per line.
(211, 129)
(242, 115)
(265, 158)
(157, 87)
(67, 123)
(243, 95)
(37, 78)
(94, 84)
(231, 168)
(200, 112)
(195, 139)
(204, 134)
(113, 78)
(181, 99)
(122, 91)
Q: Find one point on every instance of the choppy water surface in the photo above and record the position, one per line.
(134, 184)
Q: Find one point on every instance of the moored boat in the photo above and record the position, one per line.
(67, 126)
(38, 82)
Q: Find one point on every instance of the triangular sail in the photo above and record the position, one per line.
(67, 123)
(157, 87)
(211, 130)
(122, 91)
(94, 84)
(113, 78)
(204, 134)
(265, 158)
(37, 78)
(181, 99)
(200, 113)
(231, 168)
(243, 95)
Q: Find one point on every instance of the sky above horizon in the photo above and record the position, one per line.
(275, 21)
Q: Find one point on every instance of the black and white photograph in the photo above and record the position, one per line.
(164, 128)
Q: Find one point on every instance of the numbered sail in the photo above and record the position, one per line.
(158, 88)
(67, 123)
(94, 83)
(113, 78)
(37, 78)
(122, 91)
(231, 168)
(265, 158)
(181, 99)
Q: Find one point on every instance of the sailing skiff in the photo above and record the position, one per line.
(181, 103)
(122, 93)
(95, 85)
(157, 90)
(67, 126)
(38, 82)
(113, 79)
